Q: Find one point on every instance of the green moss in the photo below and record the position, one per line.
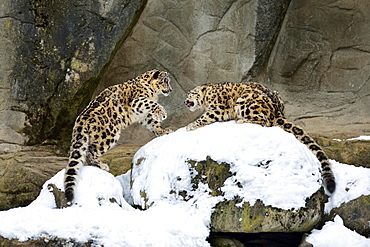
(137, 163)
(229, 216)
(349, 152)
(210, 172)
(251, 219)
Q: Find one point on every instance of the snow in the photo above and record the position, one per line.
(106, 223)
(269, 163)
(334, 233)
(352, 182)
(360, 138)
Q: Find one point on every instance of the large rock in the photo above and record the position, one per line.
(256, 179)
(236, 216)
(42, 242)
(53, 53)
(23, 172)
(355, 214)
(353, 152)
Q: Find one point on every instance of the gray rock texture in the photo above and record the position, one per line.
(355, 214)
(320, 64)
(315, 54)
(54, 53)
(197, 42)
(23, 171)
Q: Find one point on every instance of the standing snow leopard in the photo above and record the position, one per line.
(97, 129)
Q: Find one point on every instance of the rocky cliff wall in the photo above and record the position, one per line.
(51, 57)
(316, 54)
(56, 54)
(321, 65)
(197, 42)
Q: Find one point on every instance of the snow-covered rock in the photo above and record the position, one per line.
(90, 192)
(257, 178)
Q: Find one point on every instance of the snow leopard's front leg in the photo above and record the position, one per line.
(154, 125)
(151, 114)
(207, 118)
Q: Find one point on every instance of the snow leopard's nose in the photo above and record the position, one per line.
(189, 103)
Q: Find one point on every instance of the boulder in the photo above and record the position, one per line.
(221, 241)
(355, 215)
(353, 152)
(240, 176)
(119, 159)
(42, 242)
(237, 216)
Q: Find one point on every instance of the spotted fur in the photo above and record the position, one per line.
(251, 102)
(97, 129)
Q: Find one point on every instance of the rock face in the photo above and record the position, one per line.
(42, 243)
(322, 76)
(24, 172)
(197, 42)
(54, 52)
(320, 64)
(353, 152)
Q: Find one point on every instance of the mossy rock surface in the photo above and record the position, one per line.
(23, 173)
(42, 242)
(231, 216)
(355, 214)
(23, 170)
(354, 152)
(119, 158)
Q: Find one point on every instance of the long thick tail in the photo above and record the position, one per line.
(77, 159)
(326, 171)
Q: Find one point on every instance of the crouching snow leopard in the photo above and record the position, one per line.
(98, 127)
(250, 102)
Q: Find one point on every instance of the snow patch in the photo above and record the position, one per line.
(360, 138)
(334, 233)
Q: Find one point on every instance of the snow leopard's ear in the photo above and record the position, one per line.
(156, 74)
